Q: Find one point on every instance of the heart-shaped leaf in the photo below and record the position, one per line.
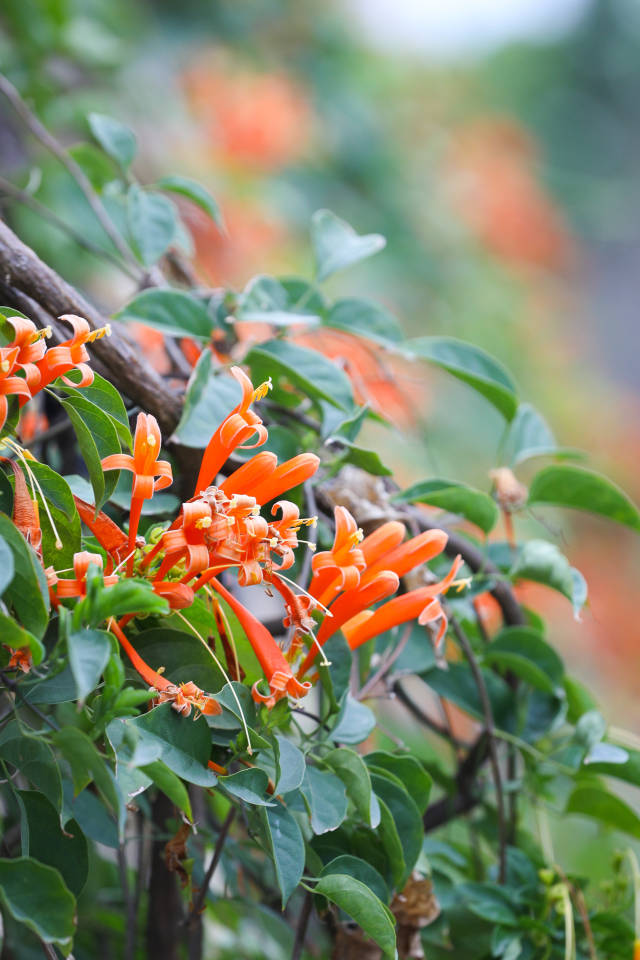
(336, 244)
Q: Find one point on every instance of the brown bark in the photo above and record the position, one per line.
(29, 285)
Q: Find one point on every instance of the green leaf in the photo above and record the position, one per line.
(104, 396)
(266, 300)
(326, 799)
(286, 847)
(36, 895)
(354, 722)
(367, 460)
(490, 902)
(457, 684)
(34, 758)
(352, 770)
(185, 745)
(7, 567)
(610, 765)
(170, 784)
(529, 436)
(174, 312)
(593, 800)
(210, 397)
(292, 766)
(365, 319)
(15, 636)
(471, 365)
(98, 168)
(409, 771)
(86, 765)
(128, 595)
(66, 850)
(406, 817)
(153, 223)
(195, 192)
(363, 907)
(249, 786)
(360, 870)
(390, 838)
(307, 369)
(542, 562)
(97, 438)
(523, 651)
(114, 137)
(335, 679)
(28, 593)
(569, 486)
(182, 655)
(89, 651)
(458, 498)
(336, 244)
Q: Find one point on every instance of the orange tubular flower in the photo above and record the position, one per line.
(71, 354)
(20, 659)
(149, 473)
(339, 568)
(9, 384)
(348, 605)
(108, 534)
(188, 540)
(276, 669)
(177, 595)
(78, 586)
(25, 510)
(288, 475)
(31, 347)
(182, 697)
(234, 431)
(252, 472)
(422, 603)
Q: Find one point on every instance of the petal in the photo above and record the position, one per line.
(255, 470)
(379, 543)
(118, 461)
(412, 553)
(289, 474)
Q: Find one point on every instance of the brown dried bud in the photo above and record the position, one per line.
(509, 492)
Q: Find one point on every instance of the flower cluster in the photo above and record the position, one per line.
(221, 529)
(27, 366)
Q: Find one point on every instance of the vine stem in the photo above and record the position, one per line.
(489, 725)
(74, 169)
(198, 901)
(386, 665)
(301, 929)
(21, 196)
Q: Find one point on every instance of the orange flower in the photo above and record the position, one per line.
(182, 697)
(25, 510)
(31, 347)
(108, 534)
(276, 669)
(339, 568)
(177, 595)
(77, 587)
(149, 473)
(10, 384)
(423, 603)
(71, 354)
(234, 430)
(20, 659)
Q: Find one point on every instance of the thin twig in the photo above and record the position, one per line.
(489, 725)
(75, 170)
(15, 688)
(293, 414)
(421, 716)
(198, 902)
(301, 929)
(25, 198)
(386, 665)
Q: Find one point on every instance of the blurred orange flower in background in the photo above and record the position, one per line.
(253, 119)
(496, 191)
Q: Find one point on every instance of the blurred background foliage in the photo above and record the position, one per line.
(506, 181)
